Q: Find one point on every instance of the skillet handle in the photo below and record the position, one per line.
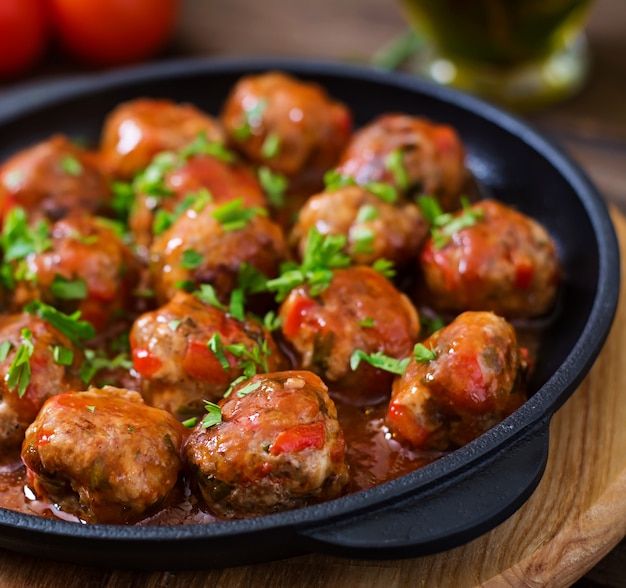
(440, 518)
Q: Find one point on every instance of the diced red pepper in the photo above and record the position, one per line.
(200, 362)
(145, 362)
(407, 426)
(524, 272)
(296, 312)
(298, 438)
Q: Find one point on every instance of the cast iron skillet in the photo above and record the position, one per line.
(450, 501)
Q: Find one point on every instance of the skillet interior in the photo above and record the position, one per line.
(451, 500)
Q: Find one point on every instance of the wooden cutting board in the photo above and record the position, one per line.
(576, 515)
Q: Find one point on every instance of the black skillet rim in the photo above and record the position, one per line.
(536, 412)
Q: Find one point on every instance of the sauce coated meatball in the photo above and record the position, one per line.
(278, 446)
(103, 455)
(136, 131)
(291, 126)
(86, 267)
(415, 155)
(49, 372)
(191, 180)
(373, 228)
(52, 180)
(504, 262)
(171, 351)
(359, 310)
(472, 380)
(210, 246)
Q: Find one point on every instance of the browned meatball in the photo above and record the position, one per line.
(469, 378)
(136, 131)
(503, 261)
(180, 367)
(359, 310)
(415, 155)
(86, 267)
(210, 246)
(190, 182)
(103, 455)
(52, 180)
(278, 446)
(290, 125)
(373, 228)
(51, 366)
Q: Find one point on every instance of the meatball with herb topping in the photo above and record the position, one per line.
(83, 265)
(210, 246)
(461, 381)
(359, 311)
(491, 257)
(175, 181)
(291, 126)
(103, 455)
(137, 130)
(188, 351)
(52, 180)
(374, 227)
(37, 362)
(413, 154)
(274, 444)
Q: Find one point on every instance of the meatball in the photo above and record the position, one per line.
(136, 131)
(177, 350)
(86, 267)
(469, 380)
(189, 183)
(103, 455)
(501, 261)
(359, 310)
(290, 125)
(51, 365)
(278, 446)
(373, 228)
(415, 155)
(53, 179)
(210, 246)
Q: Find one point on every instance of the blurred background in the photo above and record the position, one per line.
(42, 41)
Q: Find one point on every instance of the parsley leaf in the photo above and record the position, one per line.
(274, 184)
(62, 355)
(213, 415)
(65, 289)
(18, 376)
(423, 354)
(379, 360)
(74, 329)
(191, 259)
(71, 166)
(395, 164)
(233, 216)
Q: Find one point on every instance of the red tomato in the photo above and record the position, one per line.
(113, 32)
(23, 32)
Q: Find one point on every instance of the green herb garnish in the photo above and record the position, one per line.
(233, 216)
(70, 165)
(74, 329)
(65, 289)
(213, 415)
(18, 376)
(274, 184)
(379, 360)
(395, 164)
(62, 355)
(423, 354)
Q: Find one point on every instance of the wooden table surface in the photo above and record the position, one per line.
(592, 128)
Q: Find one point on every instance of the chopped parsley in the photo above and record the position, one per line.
(274, 184)
(65, 289)
(379, 360)
(71, 166)
(431, 324)
(208, 295)
(74, 329)
(191, 259)
(99, 360)
(334, 180)
(445, 225)
(174, 324)
(362, 239)
(395, 164)
(385, 267)
(5, 347)
(423, 354)
(18, 239)
(213, 414)
(386, 192)
(271, 146)
(18, 376)
(367, 322)
(251, 119)
(367, 213)
(233, 216)
(190, 423)
(215, 345)
(322, 254)
(62, 355)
